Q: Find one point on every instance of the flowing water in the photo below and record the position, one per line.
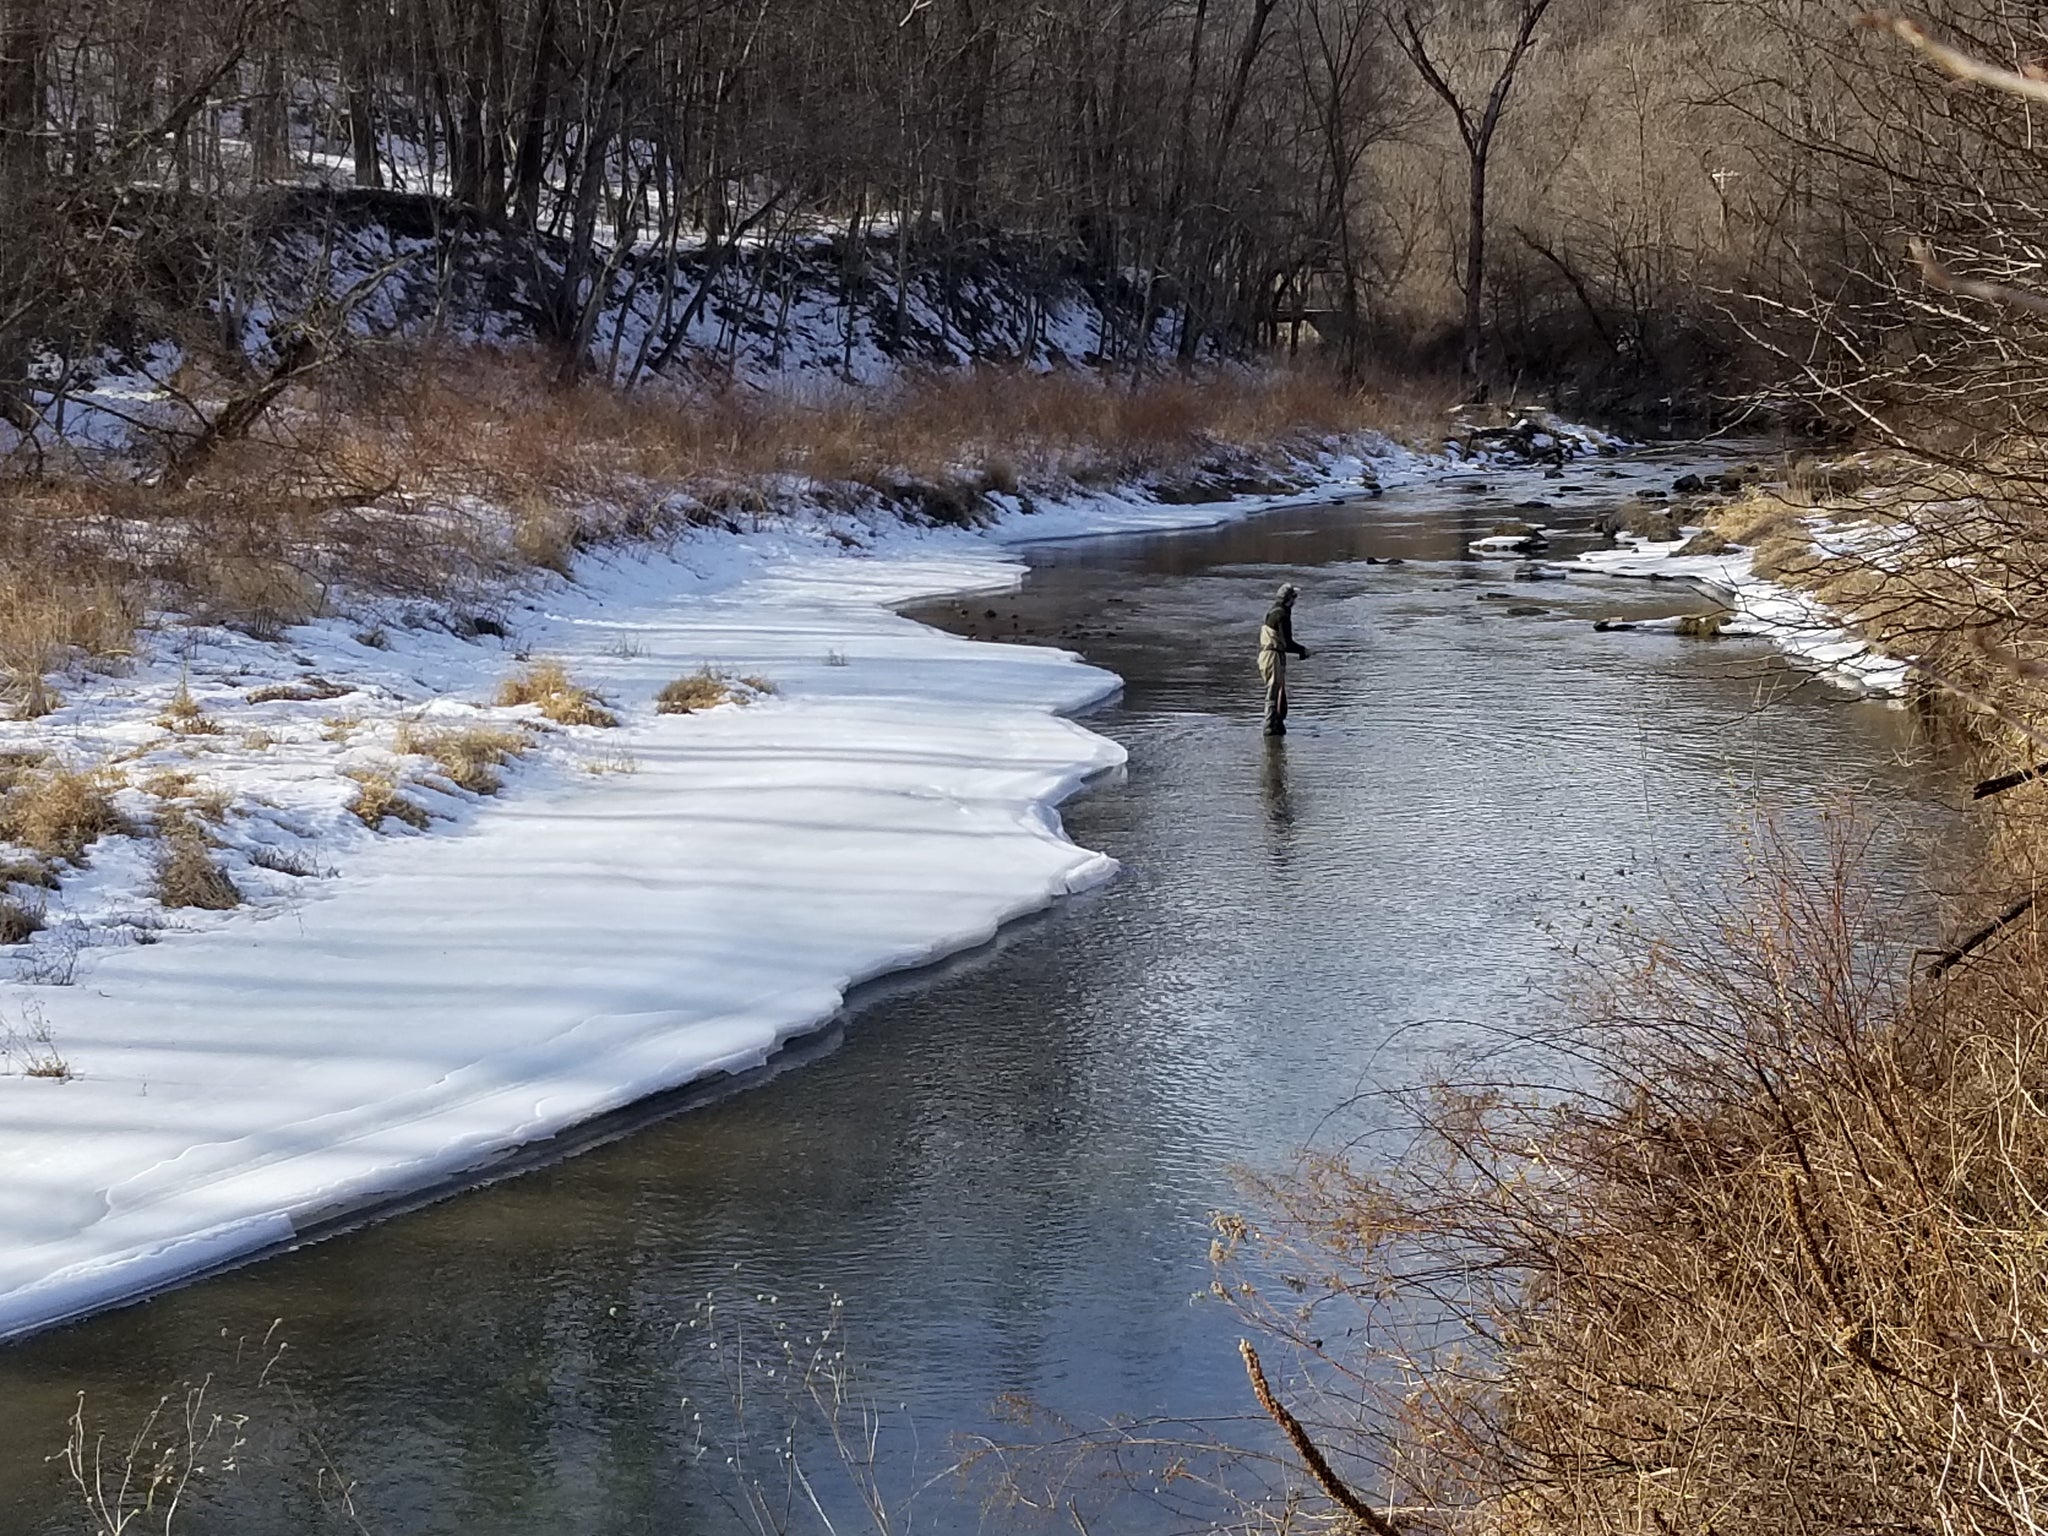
(1005, 1167)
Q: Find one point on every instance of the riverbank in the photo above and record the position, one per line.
(1772, 1260)
(650, 901)
(1004, 1165)
(1775, 567)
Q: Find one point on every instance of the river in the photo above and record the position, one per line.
(1005, 1168)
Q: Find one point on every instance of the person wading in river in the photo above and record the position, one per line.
(1276, 644)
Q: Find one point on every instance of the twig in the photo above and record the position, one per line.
(1938, 276)
(1311, 1455)
(1976, 941)
(1956, 62)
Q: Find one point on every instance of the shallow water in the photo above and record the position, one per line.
(1006, 1167)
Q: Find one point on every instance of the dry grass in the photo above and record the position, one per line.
(379, 797)
(467, 756)
(383, 482)
(181, 788)
(186, 873)
(54, 619)
(57, 812)
(546, 686)
(707, 688)
(504, 430)
(20, 920)
(185, 716)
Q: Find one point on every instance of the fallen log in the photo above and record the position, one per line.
(2005, 781)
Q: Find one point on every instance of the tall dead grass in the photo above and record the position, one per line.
(56, 811)
(467, 756)
(506, 430)
(441, 474)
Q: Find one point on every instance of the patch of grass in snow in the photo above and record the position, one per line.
(379, 797)
(186, 874)
(58, 812)
(547, 687)
(708, 688)
(467, 756)
(181, 785)
(340, 728)
(54, 614)
(186, 716)
(20, 920)
(611, 763)
(33, 873)
(544, 535)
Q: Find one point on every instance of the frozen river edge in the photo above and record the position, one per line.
(595, 937)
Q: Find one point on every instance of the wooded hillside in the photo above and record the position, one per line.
(1681, 200)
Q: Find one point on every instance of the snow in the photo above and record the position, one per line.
(1795, 621)
(644, 907)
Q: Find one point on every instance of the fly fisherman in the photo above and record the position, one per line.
(1276, 643)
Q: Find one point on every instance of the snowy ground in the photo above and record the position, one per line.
(1795, 621)
(643, 906)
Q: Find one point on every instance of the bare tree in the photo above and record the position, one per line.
(1478, 114)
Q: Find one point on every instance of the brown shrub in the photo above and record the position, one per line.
(378, 796)
(58, 812)
(467, 756)
(1769, 1266)
(186, 872)
(185, 716)
(546, 686)
(708, 688)
(20, 921)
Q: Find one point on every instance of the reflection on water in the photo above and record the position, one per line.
(1006, 1169)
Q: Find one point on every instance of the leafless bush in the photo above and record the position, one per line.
(1768, 1262)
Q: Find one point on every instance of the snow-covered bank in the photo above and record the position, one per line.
(649, 905)
(1795, 621)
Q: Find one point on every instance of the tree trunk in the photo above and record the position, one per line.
(24, 177)
(1475, 271)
